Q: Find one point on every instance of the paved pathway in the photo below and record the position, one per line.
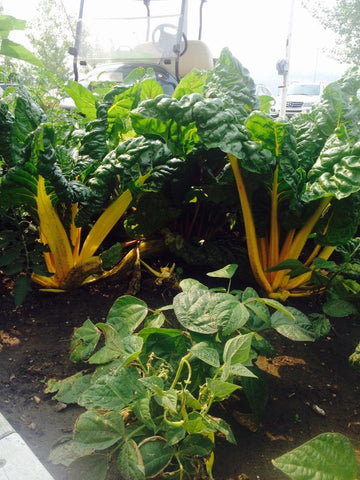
(17, 461)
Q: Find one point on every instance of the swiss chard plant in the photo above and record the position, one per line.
(75, 178)
(297, 181)
(156, 375)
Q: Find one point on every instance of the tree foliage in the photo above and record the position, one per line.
(343, 18)
(51, 33)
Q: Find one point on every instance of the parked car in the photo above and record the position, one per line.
(300, 98)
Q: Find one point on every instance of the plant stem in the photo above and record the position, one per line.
(287, 244)
(274, 224)
(300, 240)
(251, 240)
(182, 362)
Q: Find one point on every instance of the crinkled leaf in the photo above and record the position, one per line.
(278, 139)
(170, 119)
(335, 173)
(232, 83)
(340, 222)
(193, 82)
(150, 88)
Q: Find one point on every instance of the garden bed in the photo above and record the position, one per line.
(312, 387)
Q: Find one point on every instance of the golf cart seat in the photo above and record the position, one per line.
(148, 52)
(197, 55)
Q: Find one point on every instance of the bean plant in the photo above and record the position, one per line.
(157, 375)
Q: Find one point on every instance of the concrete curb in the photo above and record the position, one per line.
(17, 461)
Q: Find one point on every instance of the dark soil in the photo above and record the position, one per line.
(303, 377)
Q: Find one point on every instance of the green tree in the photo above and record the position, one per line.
(51, 33)
(343, 18)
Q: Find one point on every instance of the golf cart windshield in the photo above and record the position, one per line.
(130, 30)
(304, 89)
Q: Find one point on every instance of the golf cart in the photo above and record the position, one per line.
(109, 45)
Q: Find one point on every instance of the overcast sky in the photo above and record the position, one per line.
(255, 31)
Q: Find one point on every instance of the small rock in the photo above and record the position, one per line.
(36, 399)
(318, 410)
(60, 406)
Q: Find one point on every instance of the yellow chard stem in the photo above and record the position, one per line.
(263, 249)
(75, 233)
(251, 239)
(106, 222)
(287, 244)
(48, 256)
(300, 240)
(304, 232)
(305, 277)
(52, 233)
(326, 252)
(274, 224)
(313, 254)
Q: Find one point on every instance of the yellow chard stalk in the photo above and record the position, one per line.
(71, 265)
(52, 233)
(251, 239)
